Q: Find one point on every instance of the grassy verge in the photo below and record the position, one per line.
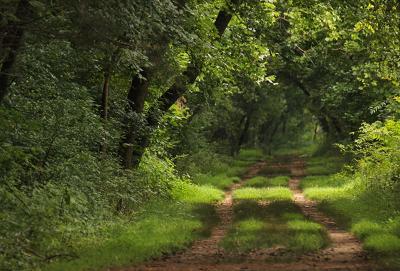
(262, 182)
(276, 224)
(367, 215)
(159, 228)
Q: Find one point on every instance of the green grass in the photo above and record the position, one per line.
(327, 193)
(191, 193)
(335, 180)
(371, 217)
(324, 165)
(277, 224)
(271, 194)
(261, 181)
(252, 155)
(221, 181)
(161, 227)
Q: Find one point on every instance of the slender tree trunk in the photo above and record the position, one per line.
(243, 133)
(11, 44)
(105, 94)
(315, 132)
(104, 106)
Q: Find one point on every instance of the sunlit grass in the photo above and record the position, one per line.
(261, 181)
(271, 194)
(187, 192)
(327, 193)
(277, 224)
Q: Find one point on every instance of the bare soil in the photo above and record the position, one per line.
(344, 253)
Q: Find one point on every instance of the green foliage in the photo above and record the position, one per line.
(272, 194)
(260, 181)
(285, 77)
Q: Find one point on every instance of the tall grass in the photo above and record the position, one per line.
(161, 227)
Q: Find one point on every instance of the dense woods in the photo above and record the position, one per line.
(107, 107)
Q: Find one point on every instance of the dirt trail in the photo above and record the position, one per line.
(345, 252)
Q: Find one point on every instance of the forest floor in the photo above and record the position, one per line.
(344, 251)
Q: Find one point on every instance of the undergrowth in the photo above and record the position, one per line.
(159, 228)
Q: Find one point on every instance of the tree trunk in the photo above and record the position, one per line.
(136, 97)
(105, 94)
(104, 106)
(11, 44)
(243, 133)
(166, 100)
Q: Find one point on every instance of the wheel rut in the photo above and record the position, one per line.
(344, 253)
